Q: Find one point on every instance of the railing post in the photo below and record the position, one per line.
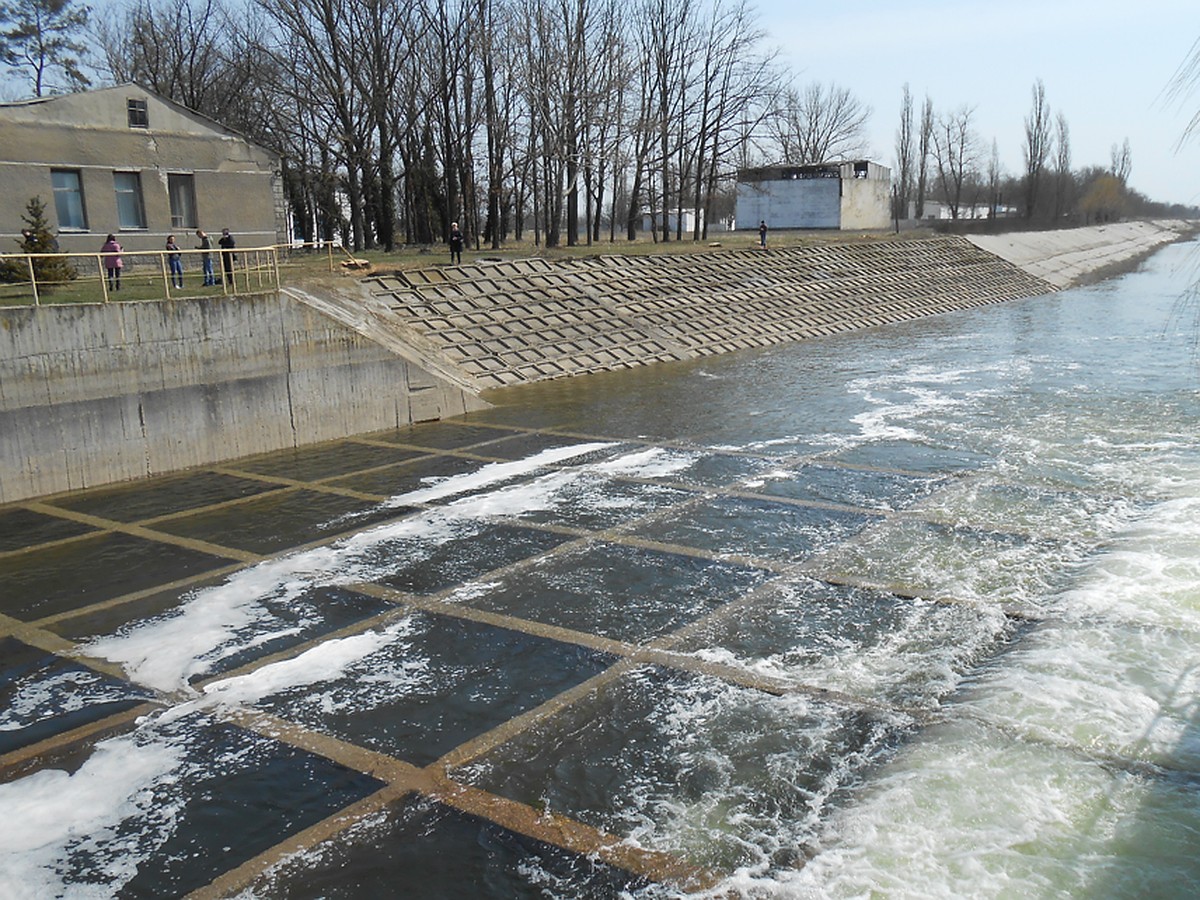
(32, 279)
(103, 276)
(162, 264)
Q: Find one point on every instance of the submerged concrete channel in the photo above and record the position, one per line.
(158, 540)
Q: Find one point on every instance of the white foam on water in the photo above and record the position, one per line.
(1116, 670)
(219, 621)
(964, 813)
(494, 473)
(215, 622)
(36, 697)
(51, 814)
(895, 400)
(51, 819)
(326, 662)
(1026, 790)
(653, 462)
(916, 660)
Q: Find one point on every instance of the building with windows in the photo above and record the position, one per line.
(841, 195)
(127, 161)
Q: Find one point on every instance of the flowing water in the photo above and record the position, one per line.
(911, 612)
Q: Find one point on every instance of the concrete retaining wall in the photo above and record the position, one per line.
(97, 393)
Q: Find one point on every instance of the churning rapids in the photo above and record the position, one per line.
(962, 553)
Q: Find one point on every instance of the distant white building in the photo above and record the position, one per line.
(934, 209)
(848, 195)
(673, 218)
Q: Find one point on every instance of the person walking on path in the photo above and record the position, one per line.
(228, 257)
(175, 261)
(762, 234)
(113, 262)
(456, 243)
(206, 257)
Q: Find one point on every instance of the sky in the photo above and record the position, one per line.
(1107, 65)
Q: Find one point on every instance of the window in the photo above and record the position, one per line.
(131, 213)
(182, 192)
(139, 117)
(68, 199)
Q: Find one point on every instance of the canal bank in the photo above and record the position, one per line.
(97, 393)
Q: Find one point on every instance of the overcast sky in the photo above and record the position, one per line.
(1106, 64)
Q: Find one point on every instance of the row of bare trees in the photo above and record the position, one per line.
(394, 118)
(941, 157)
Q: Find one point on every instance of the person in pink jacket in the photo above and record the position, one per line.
(113, 262)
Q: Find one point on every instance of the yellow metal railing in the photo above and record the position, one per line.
(145, 275)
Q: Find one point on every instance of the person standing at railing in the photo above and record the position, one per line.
(175, 261)
(228, 257)
(113, 262)
(206, 257)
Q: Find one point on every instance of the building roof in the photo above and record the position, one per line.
(832, 169)
(80, 108)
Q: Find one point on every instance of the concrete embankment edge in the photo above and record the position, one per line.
(97, 393)
(1072, 256)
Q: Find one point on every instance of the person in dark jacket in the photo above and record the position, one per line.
(175, 261)
(456, 243)
(228, 257)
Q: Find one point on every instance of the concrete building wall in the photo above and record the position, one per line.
(97, 393)
(789, 203)
(848, 195)
(865, 203)
(235, 183)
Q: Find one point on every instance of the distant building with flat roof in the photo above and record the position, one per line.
(850, 195)
(127, 161)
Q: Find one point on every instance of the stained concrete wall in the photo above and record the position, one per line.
(866, 201)
(98, 393)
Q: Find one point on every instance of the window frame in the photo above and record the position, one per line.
(64, 195)
(182, 185)
(121, 194)
(138, 112)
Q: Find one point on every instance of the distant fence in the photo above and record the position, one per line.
(36, 279)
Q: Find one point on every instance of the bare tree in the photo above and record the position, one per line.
(955, 150)
(320, 37)
(1063, 179)
(905, 151)
(820, 124)
(1183, 84)
(1122, 162)
(1038, 140)
(924, 150)
(995, 175)
(175, 49)
(733, 81)
(42, 39)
